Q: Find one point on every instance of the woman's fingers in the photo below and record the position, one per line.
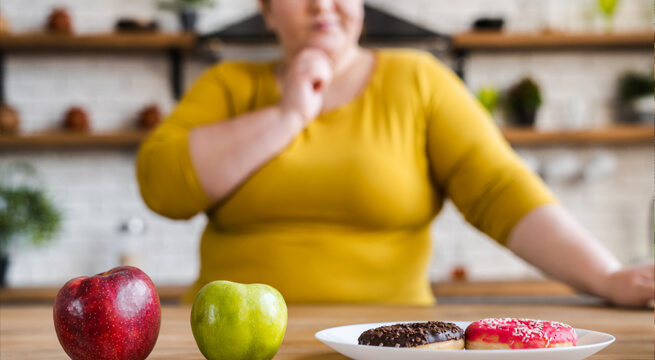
(633, 286)
(309, 74)
(644, 281)
(315, 67)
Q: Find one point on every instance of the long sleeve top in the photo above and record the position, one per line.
(343, 213)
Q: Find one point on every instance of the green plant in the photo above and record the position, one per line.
(607, 7)
(634, 85)
(184, 5)
(25, 210)
(522, 102)
(489, 97)
(525, 95)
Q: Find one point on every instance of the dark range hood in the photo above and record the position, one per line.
(379, 27)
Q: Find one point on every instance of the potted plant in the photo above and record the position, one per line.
(187, 11)
(608, 9)
(635, 93)
(523, 101)
(26, 213)
(489, 97)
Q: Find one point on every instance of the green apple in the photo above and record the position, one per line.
(238, 321)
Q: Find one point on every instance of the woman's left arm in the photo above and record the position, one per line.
(551, 239)
(472, 163)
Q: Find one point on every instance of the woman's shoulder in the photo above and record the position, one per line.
(408, 57)
(238, 70)
(411, 62)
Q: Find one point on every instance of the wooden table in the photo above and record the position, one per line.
(27, 332)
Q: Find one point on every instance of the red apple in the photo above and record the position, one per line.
(112, 315)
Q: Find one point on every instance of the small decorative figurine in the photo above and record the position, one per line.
(4, 26)
(9, 120)
(77, 120)
(149, 117)
(60, 22)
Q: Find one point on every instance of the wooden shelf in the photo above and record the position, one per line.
(615, 135)
(505, 41)
(61, 140)
(172, 43)
(118, 41)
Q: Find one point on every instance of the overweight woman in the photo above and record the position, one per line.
(320, 173)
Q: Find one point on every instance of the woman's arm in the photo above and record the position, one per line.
(225, 154)
(551, 239)
(211, 142)
(477, 169)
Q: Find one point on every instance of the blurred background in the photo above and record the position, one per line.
(569, 81)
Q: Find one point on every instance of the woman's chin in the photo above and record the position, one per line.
(329, 45)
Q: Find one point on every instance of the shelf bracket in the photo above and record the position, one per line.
(2, 78)
(175, 67)
(460, 63)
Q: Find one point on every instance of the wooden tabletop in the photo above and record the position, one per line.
(27, 332)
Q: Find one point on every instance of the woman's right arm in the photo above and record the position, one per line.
(227, 153)
(224, 154)
(194, 159)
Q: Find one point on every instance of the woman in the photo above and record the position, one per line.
(321, 173)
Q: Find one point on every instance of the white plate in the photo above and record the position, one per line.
(344, 340)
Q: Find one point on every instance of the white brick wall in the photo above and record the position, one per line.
(97, 189)
(578, 87)
(520, 15)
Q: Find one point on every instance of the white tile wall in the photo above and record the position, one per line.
(578, 87)
(97, 189)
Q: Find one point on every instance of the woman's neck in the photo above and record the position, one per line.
(341, 61)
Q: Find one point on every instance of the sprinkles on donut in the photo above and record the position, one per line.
(511, 333)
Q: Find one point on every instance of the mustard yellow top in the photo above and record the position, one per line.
(343, 214)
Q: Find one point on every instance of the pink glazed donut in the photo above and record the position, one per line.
(509, 333)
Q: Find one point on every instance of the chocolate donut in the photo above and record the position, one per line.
(422, 335)
(509, 333)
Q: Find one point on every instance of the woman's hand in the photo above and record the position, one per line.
(551, 239)
(304, 84)
(633, 286)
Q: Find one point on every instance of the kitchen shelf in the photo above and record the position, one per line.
(45, 41)
(554, 40)
(614, 135)
(60, 140)
(172, 43)
(464, 43)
